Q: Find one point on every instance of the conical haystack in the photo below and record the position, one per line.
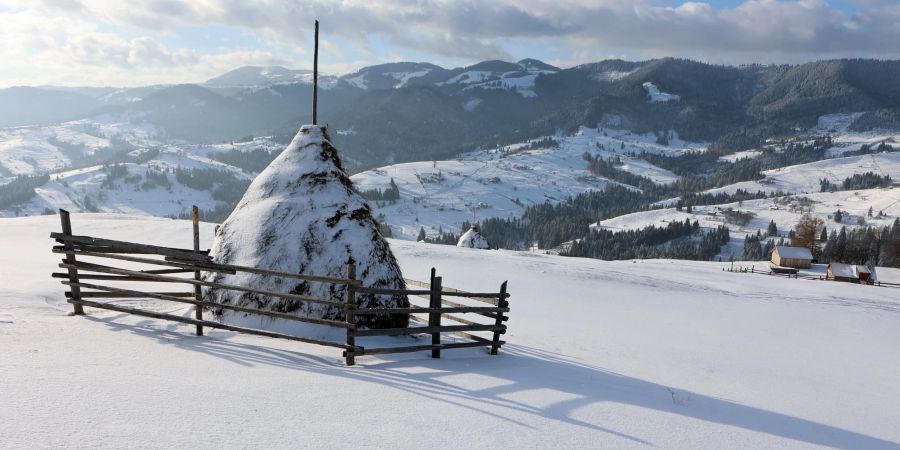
(473, 239)
(302, 215)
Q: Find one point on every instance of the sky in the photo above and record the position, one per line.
(140, 42)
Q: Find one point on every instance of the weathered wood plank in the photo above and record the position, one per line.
(298, 276)
(95, 268)
(462, 309)
(460, 305)
(66, 223)
(130, 247)
(109, 277)
(434, 318)
(189, 321)
(496, 345)
(122, 294)
(419, 348)
(186, 299)
(198, 294)
(186, 266)
(429, 329)
(349, 316)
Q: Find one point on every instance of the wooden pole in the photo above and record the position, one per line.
(315, 86)
(503, 304)
(350, 316)
(70, 259)
(198, 294)
(434, 319)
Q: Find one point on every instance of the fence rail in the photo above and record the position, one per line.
(86, 280)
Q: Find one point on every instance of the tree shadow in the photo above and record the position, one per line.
(515, 372)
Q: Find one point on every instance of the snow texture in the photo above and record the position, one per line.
(601, 354)
(303, 215)
(657, 96)
(473, 239)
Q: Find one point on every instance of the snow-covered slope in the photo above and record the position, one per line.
(150, 187)
(804, 178)
(662, 354)
(502, 182)
(250, 76)
(40, 149)
(785, 211)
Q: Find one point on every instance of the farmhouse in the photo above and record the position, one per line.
(796, 257)
(842, 272)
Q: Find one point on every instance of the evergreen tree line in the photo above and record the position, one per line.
(251, 162)
(857, 181)
(867, 149)
(863, 245)
(675, 240)
(389, 194)
(757, 247)
(224, 185)
(20, 190)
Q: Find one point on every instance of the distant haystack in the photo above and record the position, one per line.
(302, 215)
(473, 239)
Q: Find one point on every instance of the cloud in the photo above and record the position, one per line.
(447, 30)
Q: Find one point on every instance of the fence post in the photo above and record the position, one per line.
(434, 319)
(350, 355)
(495, 345)
(198, 294)
(70, 259)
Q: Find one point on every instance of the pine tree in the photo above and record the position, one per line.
(421, 236)
(773, 229)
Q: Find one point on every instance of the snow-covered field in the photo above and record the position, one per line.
(36, 149)
(785, 211)
(654, 353)
(76, 189)
(484, 184)
(804, 178)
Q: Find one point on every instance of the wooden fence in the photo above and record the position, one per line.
(87, 281)
(801, 276)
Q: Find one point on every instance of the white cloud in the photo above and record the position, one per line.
(75, 34)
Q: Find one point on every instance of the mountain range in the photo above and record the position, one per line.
(412, 111)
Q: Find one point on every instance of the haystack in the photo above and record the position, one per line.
(473, 239)
(303, 215)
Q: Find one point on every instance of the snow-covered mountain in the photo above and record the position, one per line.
(254, 76)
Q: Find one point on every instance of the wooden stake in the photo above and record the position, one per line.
(198, 294)
(70, 259)
(434, 319)
(315, 92)
(350, 317)
(503, 304)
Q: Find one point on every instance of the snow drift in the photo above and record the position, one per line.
(303, 215)
(473, 239)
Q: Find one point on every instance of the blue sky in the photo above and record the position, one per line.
(110, 42)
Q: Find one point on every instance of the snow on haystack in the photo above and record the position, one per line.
(473, 239)
(303, 215)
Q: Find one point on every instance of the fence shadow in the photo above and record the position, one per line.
(516, 371)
